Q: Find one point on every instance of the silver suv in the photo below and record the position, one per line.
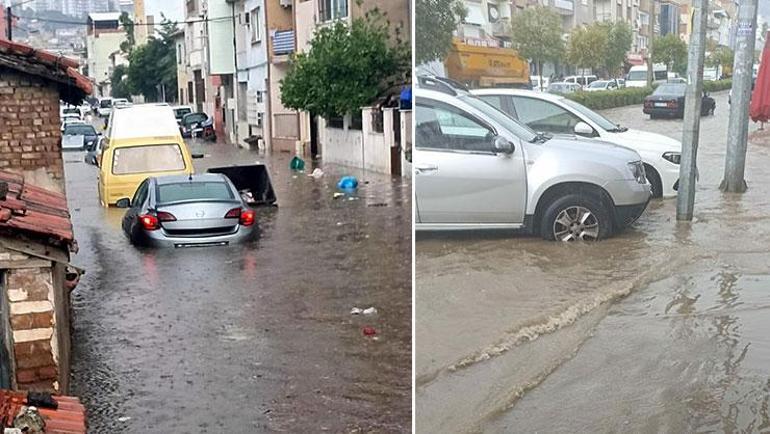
(477, 168)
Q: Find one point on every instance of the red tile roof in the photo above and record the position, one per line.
(49, 65)
(35, 211)
(68, 418)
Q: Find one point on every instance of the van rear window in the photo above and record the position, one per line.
(153, 158)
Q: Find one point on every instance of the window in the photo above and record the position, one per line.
(260, 119)
(141, 194)
(329, 10)
(142, 159)
(336, 122)
(259, 96)
(441, 126)
(179, 54)
(184, 191)
(254, 23)
(545, 116)
(356, 121)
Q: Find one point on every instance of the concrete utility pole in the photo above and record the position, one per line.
(650, 76)
(685, 200)
(738, 128)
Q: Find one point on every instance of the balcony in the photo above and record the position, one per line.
(283, 45)
(502, 28)
(564, 7)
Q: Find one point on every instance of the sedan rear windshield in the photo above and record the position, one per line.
(676, 89)
(143, 159)
(74, 130)
(181, 112)
(194, 191)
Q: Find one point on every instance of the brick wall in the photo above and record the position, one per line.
(35, 343)
(30, 136)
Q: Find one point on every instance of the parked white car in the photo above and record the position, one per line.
(600, 85)
(555, 114)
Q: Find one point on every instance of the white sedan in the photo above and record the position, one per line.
(555, 114)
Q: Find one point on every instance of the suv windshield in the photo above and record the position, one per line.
(105, 103)
(520, 130)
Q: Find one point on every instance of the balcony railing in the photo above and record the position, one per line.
(564, 4)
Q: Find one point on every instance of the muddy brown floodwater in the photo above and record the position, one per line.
(252, 338)
(660, 329)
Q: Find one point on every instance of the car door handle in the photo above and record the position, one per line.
(426, 168)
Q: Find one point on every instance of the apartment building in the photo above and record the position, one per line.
(103, 38)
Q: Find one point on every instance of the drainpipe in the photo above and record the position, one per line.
(235, 79)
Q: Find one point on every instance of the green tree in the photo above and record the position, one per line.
(346, 67)
(435, 20)
(587, 47)
(619, 39)
(119, 80)
(671, 51)
(721, 56)
(536, 33)
(153, 64)
(128, 24)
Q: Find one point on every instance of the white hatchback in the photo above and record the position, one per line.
(555, 114)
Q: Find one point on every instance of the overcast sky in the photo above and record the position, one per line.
(172, 9)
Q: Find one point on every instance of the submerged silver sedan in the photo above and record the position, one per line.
(187, 211)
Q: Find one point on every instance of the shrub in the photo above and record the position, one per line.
(715, 86)
(608, 99)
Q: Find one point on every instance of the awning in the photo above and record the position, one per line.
(635, 59)
(488, 64)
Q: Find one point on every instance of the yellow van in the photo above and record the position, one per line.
(141, 141)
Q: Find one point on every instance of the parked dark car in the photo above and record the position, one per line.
(90, 136)
(668, 100)
(198, 125)
(187, 210)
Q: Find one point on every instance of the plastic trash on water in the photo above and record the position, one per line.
(297, 163)
(347, 183)
(356, 311)
(370, 311)
(369, 331)
(317, 173)
(338, 195)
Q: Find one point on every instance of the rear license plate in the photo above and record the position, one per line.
(660, 104)
(188, 245)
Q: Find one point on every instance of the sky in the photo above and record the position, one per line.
(173, 9)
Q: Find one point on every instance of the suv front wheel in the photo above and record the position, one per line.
(576, 217)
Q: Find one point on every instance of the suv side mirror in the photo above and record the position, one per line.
(583, 129)
(123, 203)
(502, 145)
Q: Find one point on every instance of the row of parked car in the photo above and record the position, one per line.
(508, 158)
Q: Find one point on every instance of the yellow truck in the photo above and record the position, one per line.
(484, 66)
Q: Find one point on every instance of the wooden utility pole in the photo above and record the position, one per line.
(738, 128)
(685, 200)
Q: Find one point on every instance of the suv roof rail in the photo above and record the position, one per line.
(441, 84)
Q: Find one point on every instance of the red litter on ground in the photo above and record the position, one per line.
(369, 331)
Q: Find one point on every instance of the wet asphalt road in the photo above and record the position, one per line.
(252, 338)
(659, 329)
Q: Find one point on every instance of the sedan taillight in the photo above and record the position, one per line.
(165, 216)
(149, 222)
(234, 213)
(247, 217)
(672, 104)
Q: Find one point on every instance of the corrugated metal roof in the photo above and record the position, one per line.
(68, 418)
(35, 211)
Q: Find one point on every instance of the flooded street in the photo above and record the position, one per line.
(251, 338)
(659, 329)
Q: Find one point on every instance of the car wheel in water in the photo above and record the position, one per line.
(576, 217)
(655, 182)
